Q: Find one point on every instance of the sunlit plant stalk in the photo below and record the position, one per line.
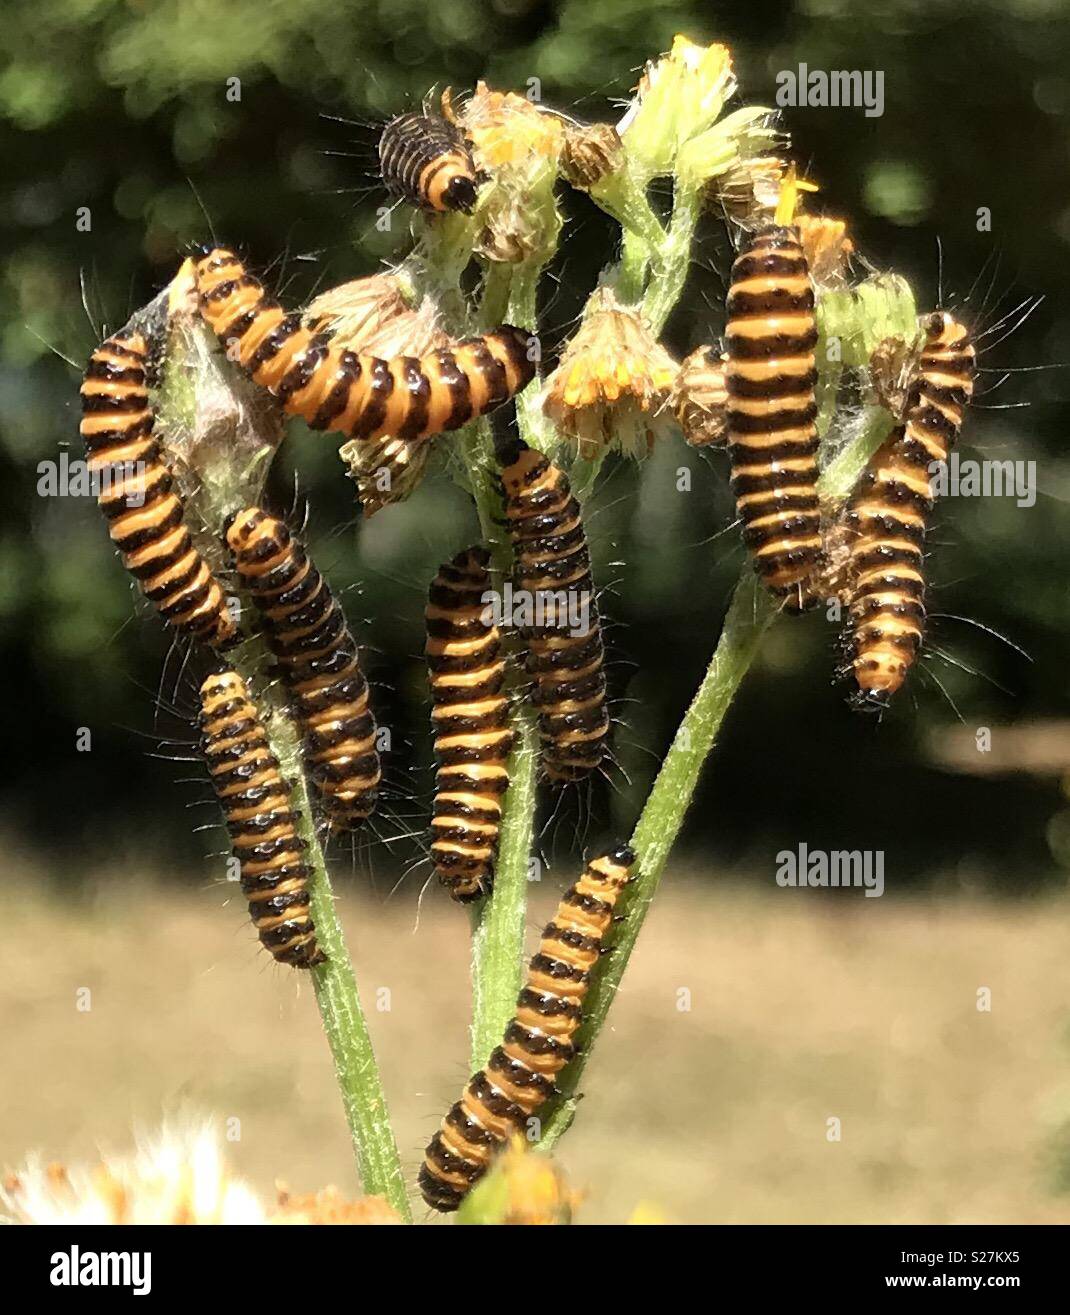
(195, 381)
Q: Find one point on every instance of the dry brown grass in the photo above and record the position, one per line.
(801, 1009)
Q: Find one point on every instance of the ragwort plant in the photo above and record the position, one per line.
(614, 388)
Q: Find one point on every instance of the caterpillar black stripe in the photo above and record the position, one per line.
(772, 436)
(538, 1043)
(552, 569)
(426, 160)
(363, 397)
(260, 819)
(319, 661)
(145, 515)
(888, 516)
(471, 720)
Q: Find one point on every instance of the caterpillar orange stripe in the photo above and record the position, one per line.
(144, 512)
(538, 1043)
(770, 376)
(260, 819)
(888, 515)
(336, 389)
(552, 567)
(319, 660)
(471, 718)
(426, 160)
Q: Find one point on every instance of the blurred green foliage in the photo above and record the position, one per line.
(129, 109)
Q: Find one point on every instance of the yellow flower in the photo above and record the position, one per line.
(678, 97)
(524, 1187)
(613, 383)
(517, 145)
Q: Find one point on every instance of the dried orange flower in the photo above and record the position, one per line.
(507, 130)
(517, 144)
(613, 384)
(700, 397)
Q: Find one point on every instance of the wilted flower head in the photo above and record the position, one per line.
(374, 316)
(679, 97)
(517, 144)
(179, 1177)
(386, 470)
(700, 397)
(749, 188)
(827, 248)
(613, 383)
(591, 151)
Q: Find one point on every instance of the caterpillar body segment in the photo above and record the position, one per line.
(771, 411)
(552, 567)
(319, 661)
(888, 517)
(426, 160)
(146, 517)
(520, 1076)
(257, 805)
(471, 720)
(336, 389)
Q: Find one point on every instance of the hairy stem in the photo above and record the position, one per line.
(222, 426)
(339, 1004)
(750, 613)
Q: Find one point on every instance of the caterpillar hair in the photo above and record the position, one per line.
(538, 1043)
(887, 518)
(472, 734)
(363, 397)
(146, 519)
(552, 566)
(426, 160)
(319, 661)
(770, 377)
(257, 806)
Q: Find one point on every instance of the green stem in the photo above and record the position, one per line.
(344, 1023)
(227, 433)
(750, 613)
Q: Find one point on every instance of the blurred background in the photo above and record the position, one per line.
(123, 108)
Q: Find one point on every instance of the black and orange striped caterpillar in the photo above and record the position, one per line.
(426, 160)
(771, 373)
(887, 517)
(319, 661)
(260, 818)
(552, 567)
(472, 734)
(146, 519)
(538, 1043)
(363, 397)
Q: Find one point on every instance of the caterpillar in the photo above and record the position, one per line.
(426, 160)
(700, 398)
(363, 397)
(319, 660)
(145, 515)
(552, 570)
(538, 1043)
(887, 518)
(472, 735)
(770, 377)
(256, 802)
